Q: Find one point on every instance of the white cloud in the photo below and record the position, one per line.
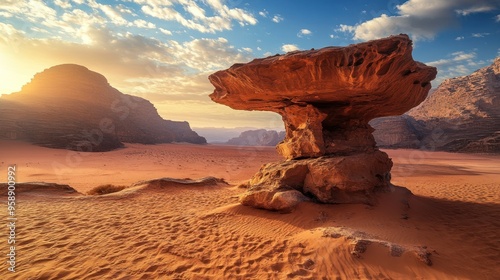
(422, 19)
(264, 13)
(259, 49)
(457, 64)
(144, 24)
(479, 35)
(5, 14)
(195, 10)
(268, 54)
(112, 14)
(206, 55)
(9, 31)
(35, 11)
(165, 31)
(39, 30)
(220, 21)
(122, 57)
(497, 18)
(278, 18)
(248, 49)
(476, 9)
(459, 38)
(304, 32)
(346, 28)
(63, 4)
(459, 56)
(289, 48)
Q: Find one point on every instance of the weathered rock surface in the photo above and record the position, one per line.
(329, 179)
(326, 98)
(396, 132)
(258, 137)
(69, 106)
(462, 115)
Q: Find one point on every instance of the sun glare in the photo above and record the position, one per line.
(12, 78)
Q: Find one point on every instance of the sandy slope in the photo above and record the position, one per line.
(201, 232)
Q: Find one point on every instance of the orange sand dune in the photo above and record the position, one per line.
(201, 232)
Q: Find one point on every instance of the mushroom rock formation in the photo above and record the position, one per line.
(326, 98)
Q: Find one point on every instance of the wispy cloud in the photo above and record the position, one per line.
(457, 64)
(221, 20)
(278, 18)
(65, 4)
(480, 35)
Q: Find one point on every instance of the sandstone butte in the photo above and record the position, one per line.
(326, 98)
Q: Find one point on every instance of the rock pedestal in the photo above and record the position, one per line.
(326, 98)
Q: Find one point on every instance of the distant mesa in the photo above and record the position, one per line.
(462, 115)
(70, 107)
(326, 98)
(258, 137)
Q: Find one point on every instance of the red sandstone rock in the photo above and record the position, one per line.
(326, 98)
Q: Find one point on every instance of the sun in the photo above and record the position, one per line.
(12, 76)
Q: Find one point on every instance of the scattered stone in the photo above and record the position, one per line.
(360, 246)
(424, 255)
(396, 250)
(360, 242)
(308, 264)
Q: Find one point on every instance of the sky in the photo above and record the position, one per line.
(164, 50)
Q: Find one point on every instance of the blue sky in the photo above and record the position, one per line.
(164, 50)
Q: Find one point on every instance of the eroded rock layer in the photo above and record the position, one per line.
(326, 98)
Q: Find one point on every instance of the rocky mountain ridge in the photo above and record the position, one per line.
(461, 115)
(258, 137)
(68, 106)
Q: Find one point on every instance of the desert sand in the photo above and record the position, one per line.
(177, 231)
